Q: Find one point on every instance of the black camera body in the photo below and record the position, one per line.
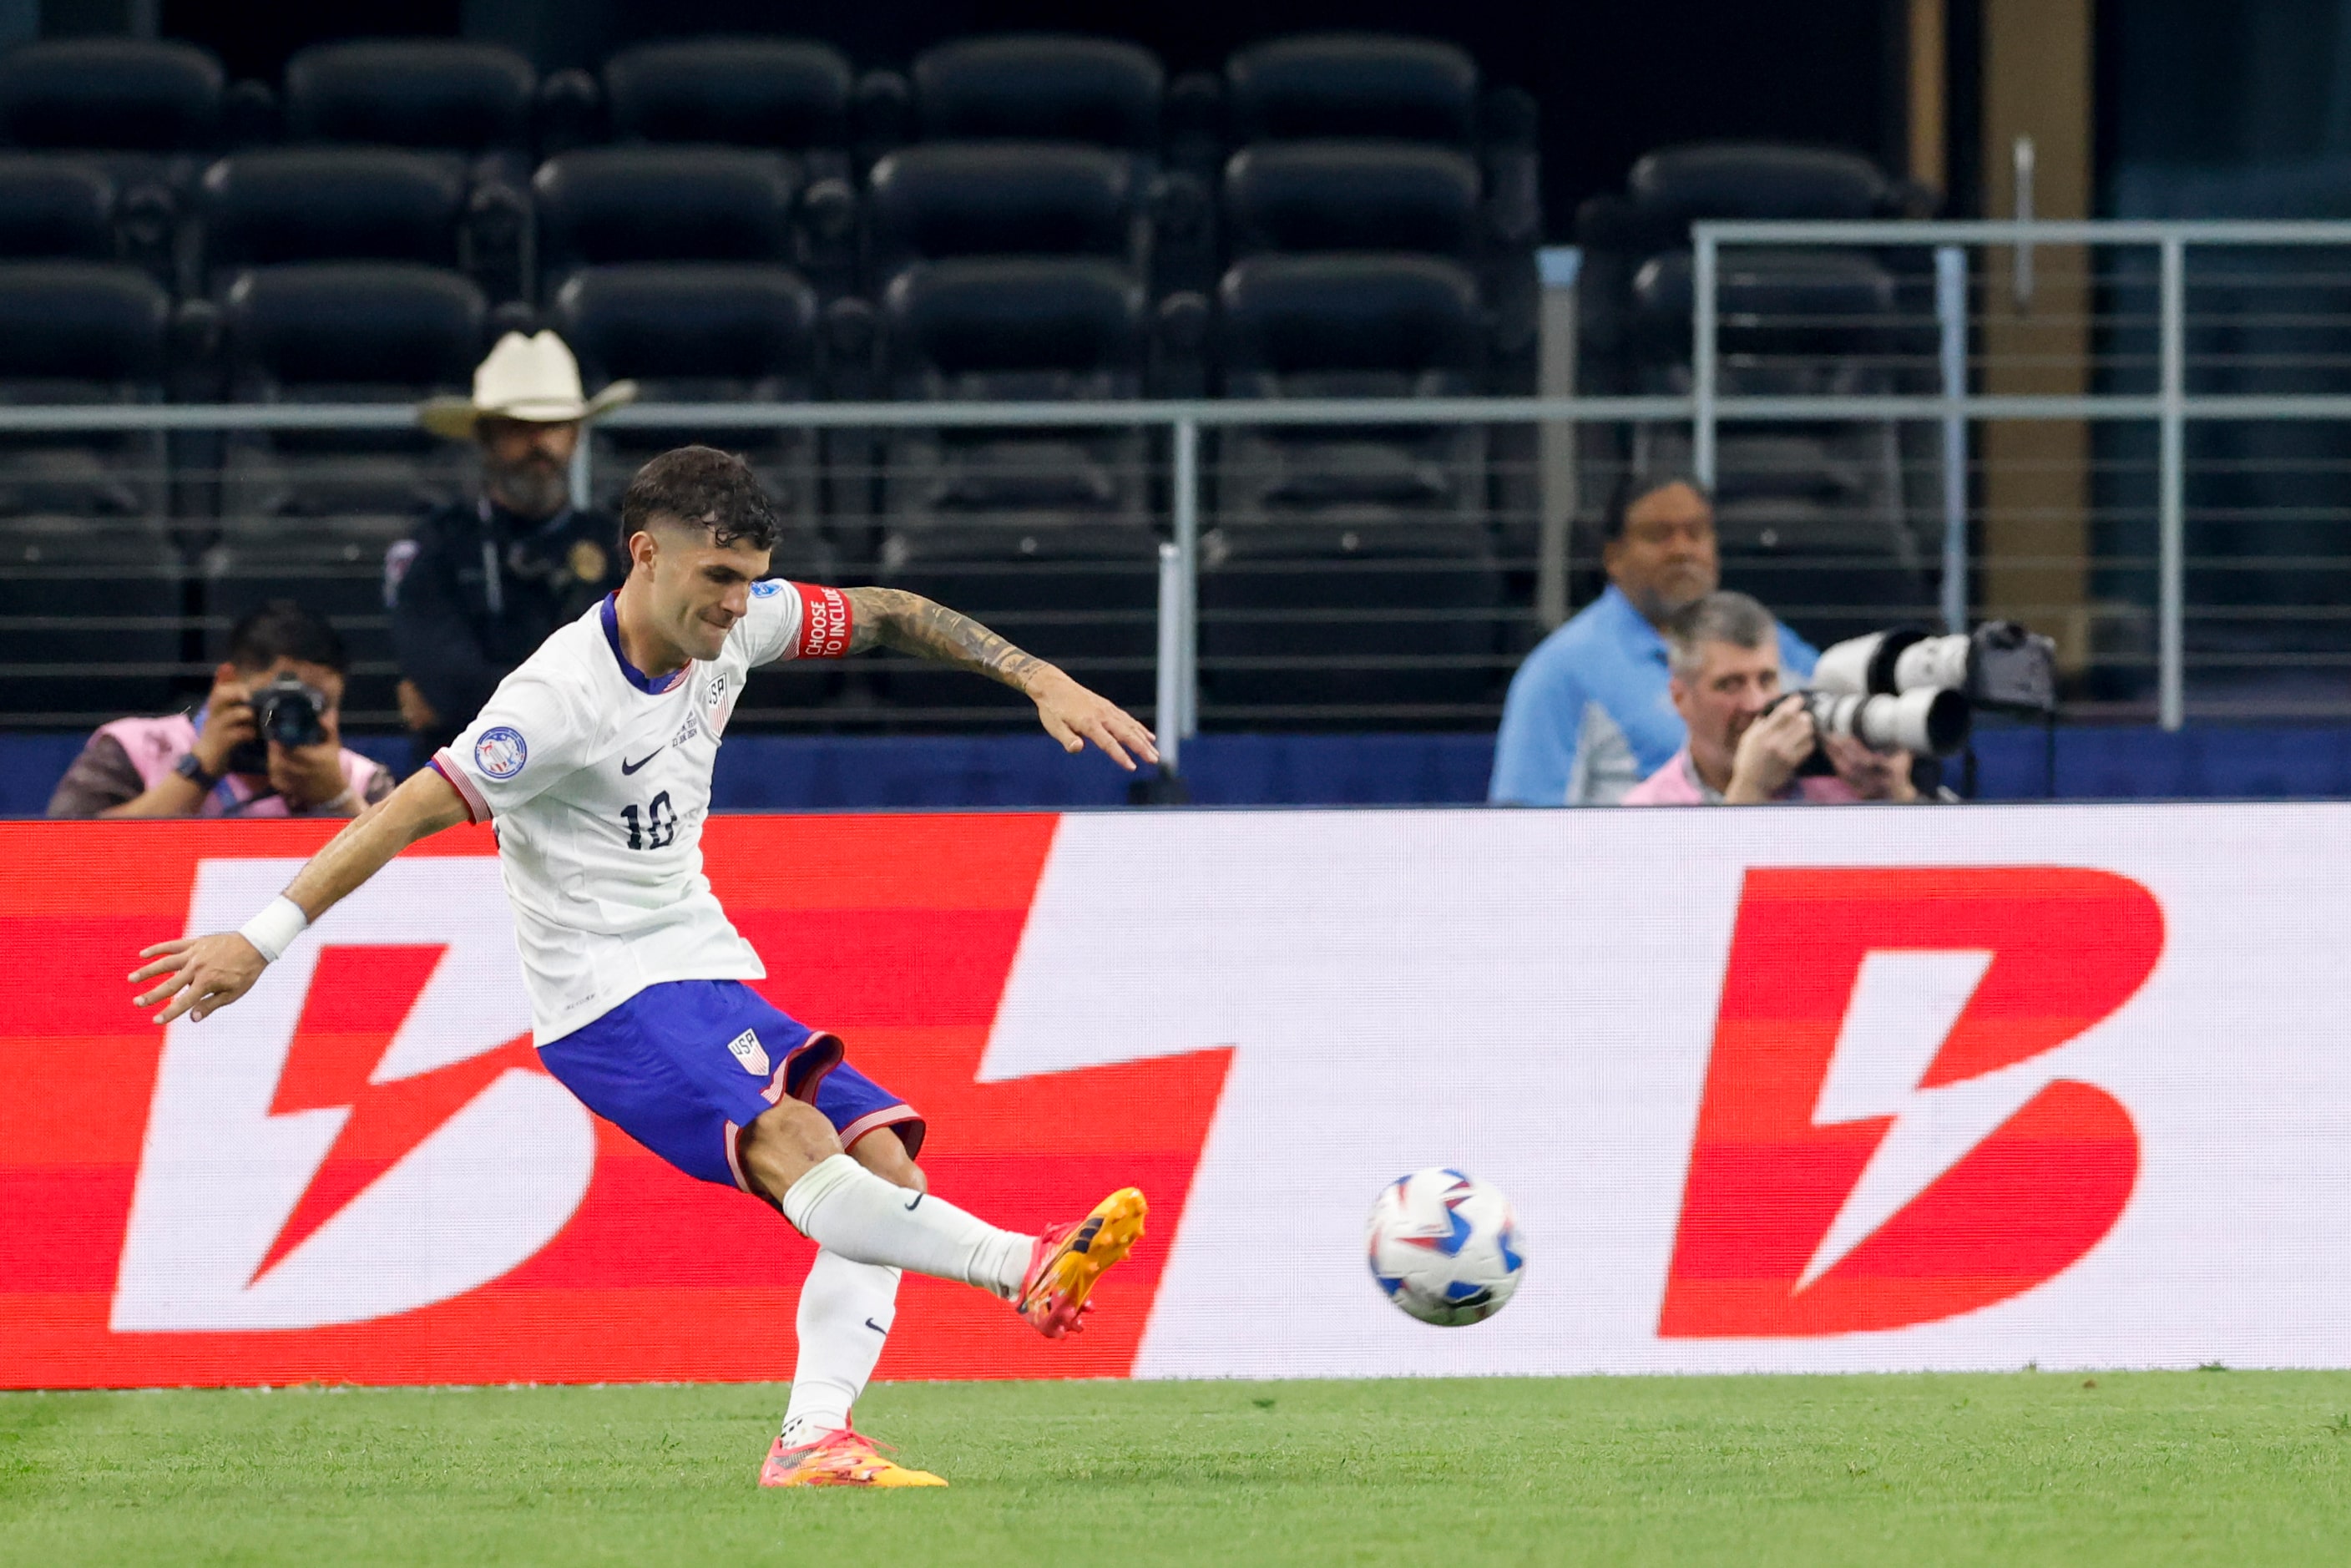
(286, 710)
(1907, 689)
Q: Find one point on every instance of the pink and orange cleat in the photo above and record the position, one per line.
(844, 1458)
(1070, 1259)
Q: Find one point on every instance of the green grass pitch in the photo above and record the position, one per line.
(2218, 1466)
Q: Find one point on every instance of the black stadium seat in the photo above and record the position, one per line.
(57, 209)
(1004, 198)
(1351, 84)
(88, 573)
(1327, 195)
(1040, 88)
(1678, 185)
(294, 329)
(1378, 532)
(1372, 91)
(709, 332)
(424, 93)
(602, 205)
(1045, 532)
(308, 515)
(115, 95)
(781, 94)
(332, 203)
(148, 113)
(1095, 92)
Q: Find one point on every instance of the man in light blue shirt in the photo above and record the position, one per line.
(1588, 716)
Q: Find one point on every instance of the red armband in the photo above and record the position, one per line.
(824, 622)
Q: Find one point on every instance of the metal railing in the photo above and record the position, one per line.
(1953, 365)
(1955, 404)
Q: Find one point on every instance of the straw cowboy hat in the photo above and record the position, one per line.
(533, 378)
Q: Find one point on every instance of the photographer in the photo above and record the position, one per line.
(1747, 738)
(1588, 713)
(266, 742)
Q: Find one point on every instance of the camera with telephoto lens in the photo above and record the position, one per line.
(1928, 722)
(1908, 689)
(1999, 665)
(286, 710)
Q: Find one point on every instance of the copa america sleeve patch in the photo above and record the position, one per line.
(500, 753)
(824, 623)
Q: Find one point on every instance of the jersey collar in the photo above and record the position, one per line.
(610, 615)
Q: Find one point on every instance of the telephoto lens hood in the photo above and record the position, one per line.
(1998, 664)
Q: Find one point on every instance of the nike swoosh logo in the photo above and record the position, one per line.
(628, 768)
(918, 1198)
(877, 1328)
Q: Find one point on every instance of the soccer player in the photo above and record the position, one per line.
(593, 760)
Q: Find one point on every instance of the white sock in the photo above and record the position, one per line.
(846, 1310)
(839, 1205)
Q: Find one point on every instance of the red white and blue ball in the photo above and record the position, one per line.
(1444, 1247)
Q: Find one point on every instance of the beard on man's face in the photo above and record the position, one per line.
(533, 487)
(1668, 594)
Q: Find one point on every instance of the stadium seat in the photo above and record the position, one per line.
(308, 514)
(148, 113)
(716, 333)
(54, 208)
(1351, 84)
(1352, 196)
(89, 574)
(783, 96)
(1376, 534)
(945, 199)
(1376, 90)
(1096, 92)
(1040, 88)
(332, 203)
(425, 94)
(1045, 533)
(110, 95)
(1819, 519)
(1667, 192)
(604, 205)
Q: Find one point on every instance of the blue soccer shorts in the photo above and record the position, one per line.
(685, 1066)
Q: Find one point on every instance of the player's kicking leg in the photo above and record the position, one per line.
(714, 1079)
(791, 1156)
(847, 1307)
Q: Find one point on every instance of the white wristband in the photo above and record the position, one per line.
(273, 930)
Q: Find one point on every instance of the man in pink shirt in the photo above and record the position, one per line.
(216, 761)
(1722, 653)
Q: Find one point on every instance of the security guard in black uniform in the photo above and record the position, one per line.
(480, 584)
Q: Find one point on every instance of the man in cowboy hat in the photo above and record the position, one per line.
(481, 584)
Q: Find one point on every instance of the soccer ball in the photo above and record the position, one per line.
(1444, 1247)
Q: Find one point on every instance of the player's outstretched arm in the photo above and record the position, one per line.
(198, 975)
(910, 623)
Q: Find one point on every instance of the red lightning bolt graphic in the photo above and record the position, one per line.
(359, 997)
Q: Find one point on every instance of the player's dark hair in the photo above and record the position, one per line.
(700, 485)
(282, 629)
(1636, 485)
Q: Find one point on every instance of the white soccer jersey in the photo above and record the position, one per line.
(598, 781)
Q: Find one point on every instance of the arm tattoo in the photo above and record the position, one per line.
(910, 623)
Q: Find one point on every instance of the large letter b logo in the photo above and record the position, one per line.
(1883, 1140)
